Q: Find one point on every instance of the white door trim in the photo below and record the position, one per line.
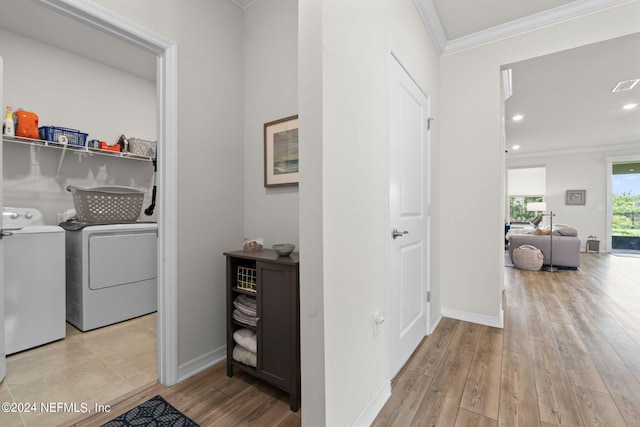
(393, 54)
(3, 358)
(104, 20)
(431, 323)
(607, 244)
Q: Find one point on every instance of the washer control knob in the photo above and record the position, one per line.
(28, 215)
(15, 215)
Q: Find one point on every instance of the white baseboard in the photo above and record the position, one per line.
(482, 319)
(375, 405)
(434, 323)
(201, 363)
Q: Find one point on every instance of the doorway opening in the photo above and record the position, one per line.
(95, 18)
(625, 207)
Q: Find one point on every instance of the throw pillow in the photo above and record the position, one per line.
(540, 232)
(568, 231)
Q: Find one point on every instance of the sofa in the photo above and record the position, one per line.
(566, 246)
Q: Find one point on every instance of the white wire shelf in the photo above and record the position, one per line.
(73, 148)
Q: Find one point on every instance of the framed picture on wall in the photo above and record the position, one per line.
(576, 197)
(281, 152)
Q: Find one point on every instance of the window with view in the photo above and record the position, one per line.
(518, 208)
(625, 203)
(524, 186)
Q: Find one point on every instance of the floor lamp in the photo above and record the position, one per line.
(537, 207)
(550, 267)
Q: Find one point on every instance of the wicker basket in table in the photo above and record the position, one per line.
(527, 257)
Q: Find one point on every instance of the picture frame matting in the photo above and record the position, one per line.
(281, 152)
(576, 198)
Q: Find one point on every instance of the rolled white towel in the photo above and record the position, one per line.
(246, 338)
(245, 356)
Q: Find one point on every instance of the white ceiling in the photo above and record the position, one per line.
(567, 102)
(456, 25)
(462, 17)
(30, 19)
(565, 97)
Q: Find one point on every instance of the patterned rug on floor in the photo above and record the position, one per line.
(155, 412)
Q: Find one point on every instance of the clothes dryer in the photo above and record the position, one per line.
(111, 273)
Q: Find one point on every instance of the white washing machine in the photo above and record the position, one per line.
(111, 273)
(34, 279)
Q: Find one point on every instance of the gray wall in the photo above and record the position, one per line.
(209, 37)
(270, 93)
(344, 196)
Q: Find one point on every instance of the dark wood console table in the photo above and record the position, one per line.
(274, 283)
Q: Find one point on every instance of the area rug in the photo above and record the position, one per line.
(155, 412)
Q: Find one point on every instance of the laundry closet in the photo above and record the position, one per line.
(102, 100)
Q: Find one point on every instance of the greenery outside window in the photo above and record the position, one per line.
(524, 186)
(518, 208)
(625, 200)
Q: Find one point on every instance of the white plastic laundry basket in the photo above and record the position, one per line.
(107, 205)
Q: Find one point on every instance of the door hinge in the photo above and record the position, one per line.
(429, 123)
(428, 296)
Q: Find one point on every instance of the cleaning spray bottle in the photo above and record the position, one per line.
(9, 128)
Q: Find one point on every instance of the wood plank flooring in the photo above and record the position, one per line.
(210, 398)
(569, 355)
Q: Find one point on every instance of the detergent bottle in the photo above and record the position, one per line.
(9, 128)
(26, 124)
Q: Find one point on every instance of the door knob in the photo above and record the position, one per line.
(395, 233)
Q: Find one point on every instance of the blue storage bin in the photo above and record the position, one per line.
(53, 134)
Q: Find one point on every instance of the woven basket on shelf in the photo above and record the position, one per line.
(527, 257)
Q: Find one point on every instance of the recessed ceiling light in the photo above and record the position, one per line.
(515, 147)
(629, 106)
(518, 117)
(625, 85)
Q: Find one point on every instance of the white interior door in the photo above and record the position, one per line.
(3, 361)
(409, 214)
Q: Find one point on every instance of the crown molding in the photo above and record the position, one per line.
(243, 4)
(431, 20)
(569, 11)
(573, 151)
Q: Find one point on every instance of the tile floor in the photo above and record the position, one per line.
(82, 370)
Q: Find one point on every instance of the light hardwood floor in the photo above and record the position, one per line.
(569, 355)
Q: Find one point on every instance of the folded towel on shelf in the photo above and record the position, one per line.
(245, 310)
(245, 304)
(244, 318)
(246, 338)
(245, 356)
